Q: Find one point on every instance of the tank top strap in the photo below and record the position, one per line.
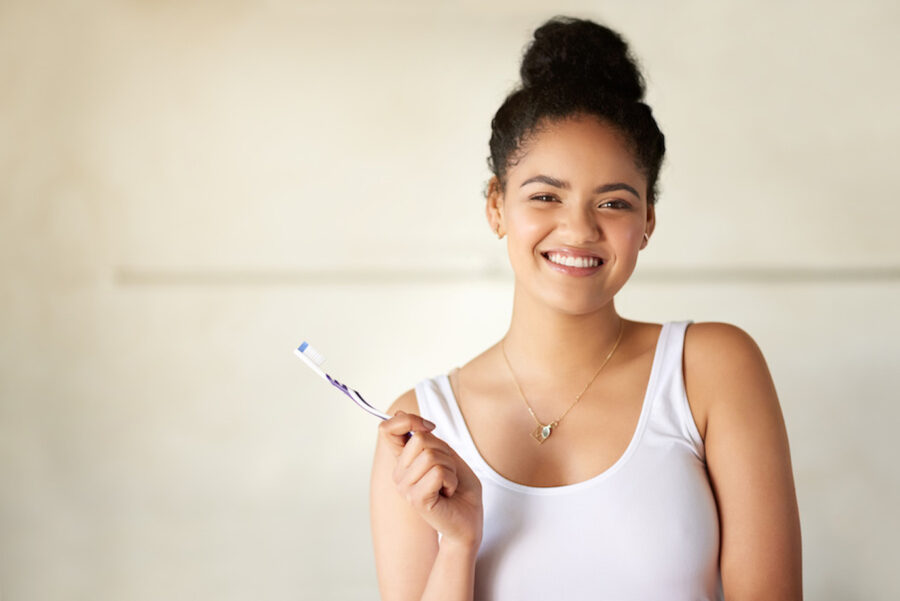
(437, 404)
(671, 417)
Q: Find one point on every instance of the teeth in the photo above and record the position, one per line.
(573, 261)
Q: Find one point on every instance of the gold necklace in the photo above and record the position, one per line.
(543, 431)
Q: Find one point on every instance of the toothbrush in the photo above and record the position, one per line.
(314, 359)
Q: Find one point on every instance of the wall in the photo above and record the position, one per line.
(188, 189)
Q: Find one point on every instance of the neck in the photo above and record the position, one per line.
(543, 340)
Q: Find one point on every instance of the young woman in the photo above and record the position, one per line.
(586, 456)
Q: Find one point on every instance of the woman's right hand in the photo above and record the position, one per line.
(435, 481)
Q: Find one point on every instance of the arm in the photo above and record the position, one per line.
(749, 464)
(421, 487)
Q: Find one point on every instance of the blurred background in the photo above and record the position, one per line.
(189, 189)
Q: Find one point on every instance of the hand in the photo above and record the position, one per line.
(438, 484)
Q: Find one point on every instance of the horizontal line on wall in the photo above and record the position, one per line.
(127, 276)
(298, 277)
(769, 275)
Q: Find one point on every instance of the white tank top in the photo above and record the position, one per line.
(645, 529)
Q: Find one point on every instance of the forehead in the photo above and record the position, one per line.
(577, 149)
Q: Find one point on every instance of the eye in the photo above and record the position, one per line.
(544, 197)
(616, 204)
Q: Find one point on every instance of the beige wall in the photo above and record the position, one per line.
(188, 189)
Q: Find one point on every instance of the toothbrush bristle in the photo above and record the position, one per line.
(312, 353)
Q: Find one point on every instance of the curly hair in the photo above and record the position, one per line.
(577, 67)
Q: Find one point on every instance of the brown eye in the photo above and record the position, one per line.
(544, 198)
(616, 204)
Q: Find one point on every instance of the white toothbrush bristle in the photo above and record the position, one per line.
(313, 354)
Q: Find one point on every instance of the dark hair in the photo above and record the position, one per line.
(572, 67)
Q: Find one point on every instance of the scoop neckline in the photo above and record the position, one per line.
(485, 468)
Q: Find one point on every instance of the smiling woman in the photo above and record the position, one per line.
(585, 455)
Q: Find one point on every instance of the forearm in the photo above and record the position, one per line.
(452, 576)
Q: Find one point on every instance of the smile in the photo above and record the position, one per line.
(570, 261)
(572, 265)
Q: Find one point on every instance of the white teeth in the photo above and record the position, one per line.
(573, 261)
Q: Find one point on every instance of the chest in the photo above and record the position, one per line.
(591, 437)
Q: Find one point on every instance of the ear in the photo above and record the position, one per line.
(651, 224)
(494, 207)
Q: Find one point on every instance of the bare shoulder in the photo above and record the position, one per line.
(722, 362)
(715, 341)
(716, 351)
(406, 403)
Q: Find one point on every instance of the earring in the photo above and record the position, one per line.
(646, 238)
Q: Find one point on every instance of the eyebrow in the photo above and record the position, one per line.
(558, 183)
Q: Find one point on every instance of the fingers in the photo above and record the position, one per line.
(423, 492)
(426, 466)
(432, 486)
(422, 461)
(397, 429)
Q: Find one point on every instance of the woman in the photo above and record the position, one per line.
(586, 456)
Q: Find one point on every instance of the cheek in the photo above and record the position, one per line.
(526, 230)
(632, 235)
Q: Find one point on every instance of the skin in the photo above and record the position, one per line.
(562, 328)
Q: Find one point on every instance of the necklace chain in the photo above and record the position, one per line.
(543, 431)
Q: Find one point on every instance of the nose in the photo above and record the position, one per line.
(582, 224)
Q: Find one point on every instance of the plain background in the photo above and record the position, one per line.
(189, 189)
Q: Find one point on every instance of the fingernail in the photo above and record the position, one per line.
(428, 424)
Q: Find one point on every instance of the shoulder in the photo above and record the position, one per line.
(406, 402)
(721, 363)
(711, 347)
(710, 336)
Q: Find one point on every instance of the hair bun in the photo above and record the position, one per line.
(576, 52)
